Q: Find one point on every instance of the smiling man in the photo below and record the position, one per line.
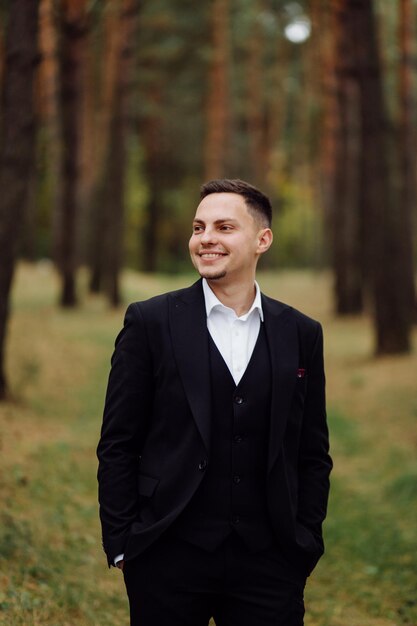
(213, 457)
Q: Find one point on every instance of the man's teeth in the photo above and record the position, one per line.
(210, 255)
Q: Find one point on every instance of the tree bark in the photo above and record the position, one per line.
(387, 253)
(74, 28)
(276, 115)
(17, 147)
(255, 102)
(154, 140)
(218, 97)
(407, 144)
(345, 216)
(117, 157)
(49, 93)
(329, 122)
(107, 88)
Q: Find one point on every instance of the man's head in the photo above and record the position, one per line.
(258, 204)
(230, 231)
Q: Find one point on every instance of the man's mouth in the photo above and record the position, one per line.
(211, 255)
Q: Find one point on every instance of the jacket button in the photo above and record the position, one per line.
(202, 465)
(238, 438)
(238, 399)
(236, 479)
(235, 520)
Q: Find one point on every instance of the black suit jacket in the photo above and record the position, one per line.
(155, 440)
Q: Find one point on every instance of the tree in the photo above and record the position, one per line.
(328, 122)
(17, 147)
(407, 144)
(49, 147)
(345, 206)
(74, 29)
(153, 122)
(255, 99)
(114, 201)
(218, 97)
(102, 120)
(387, 251)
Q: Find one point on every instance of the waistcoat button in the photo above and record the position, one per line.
(202, 465)
(238, 399)
(236, 479)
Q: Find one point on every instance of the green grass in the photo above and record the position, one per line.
(52, 569)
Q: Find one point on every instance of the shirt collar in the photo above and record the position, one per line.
(212, 301)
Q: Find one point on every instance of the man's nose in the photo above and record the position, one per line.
(208, 236)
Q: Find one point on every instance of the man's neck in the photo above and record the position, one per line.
(239, 296)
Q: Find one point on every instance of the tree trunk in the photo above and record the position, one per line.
(345, 217)
(407, 144)
(218, 97)
(329, 122)
(117, 157)
(255, 103)
(159, 165)
(89, 148)
(2, 62)
(153, 136)
(113, 206)
(74, 29)
(17, 147)
(49, 91)
(387, 252)
(102, 123)
(276, 114)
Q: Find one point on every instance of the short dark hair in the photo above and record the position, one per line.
(259, 205)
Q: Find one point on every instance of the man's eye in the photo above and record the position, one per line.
(225, 227)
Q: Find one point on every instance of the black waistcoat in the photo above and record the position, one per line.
(232, 495)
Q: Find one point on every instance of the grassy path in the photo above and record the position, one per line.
(52, 569)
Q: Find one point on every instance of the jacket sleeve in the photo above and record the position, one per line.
(314, 464)
(125, 423)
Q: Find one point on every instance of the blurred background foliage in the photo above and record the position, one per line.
(114, 112)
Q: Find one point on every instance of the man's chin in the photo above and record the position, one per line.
(213, 275)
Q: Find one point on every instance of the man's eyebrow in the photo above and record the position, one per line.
(220, 221)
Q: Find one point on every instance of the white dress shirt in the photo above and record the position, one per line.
(235, 337)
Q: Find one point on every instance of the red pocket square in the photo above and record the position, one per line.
(301, 372)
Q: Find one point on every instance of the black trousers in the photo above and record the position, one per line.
(174, 583)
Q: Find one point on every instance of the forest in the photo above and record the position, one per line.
(112, 115)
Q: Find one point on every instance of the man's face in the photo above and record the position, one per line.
(226, 241)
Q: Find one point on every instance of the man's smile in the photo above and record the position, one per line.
(211, 255)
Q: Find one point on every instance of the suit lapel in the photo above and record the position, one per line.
(281, 331)
(190, 342)
(191, 350)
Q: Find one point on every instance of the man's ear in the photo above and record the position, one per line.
(265, 238)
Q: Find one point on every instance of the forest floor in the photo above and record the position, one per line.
(52, 569)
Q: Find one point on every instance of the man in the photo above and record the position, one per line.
(214, 466)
